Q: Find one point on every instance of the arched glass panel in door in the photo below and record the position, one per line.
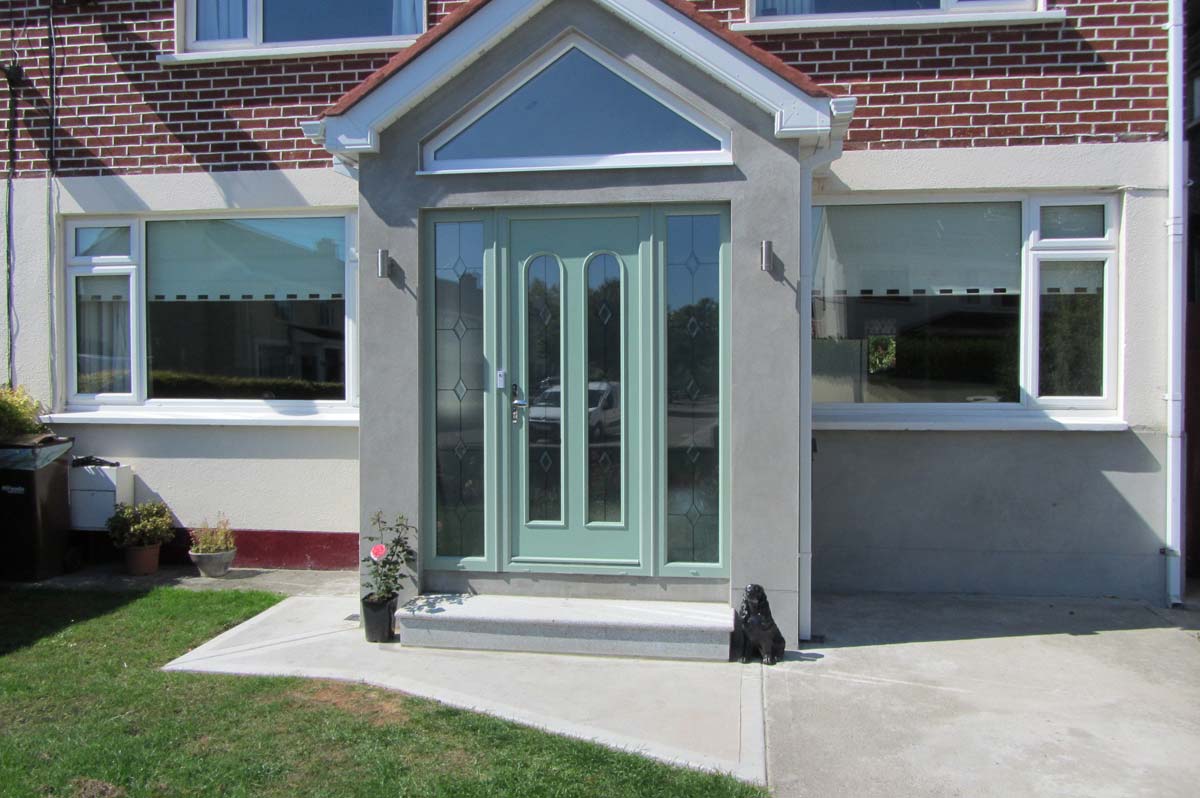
(605, 404)
(543, 330)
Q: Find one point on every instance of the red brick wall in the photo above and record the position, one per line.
(1100, 77)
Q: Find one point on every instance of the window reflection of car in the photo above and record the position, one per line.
(604, 411)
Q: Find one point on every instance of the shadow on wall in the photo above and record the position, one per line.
(875, 619)
(1008, 513)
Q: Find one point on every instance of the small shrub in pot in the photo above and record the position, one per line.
(141, 529)
(387, 567)
(213, 547)
(20, 414)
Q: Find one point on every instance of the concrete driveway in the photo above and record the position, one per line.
(965, 696)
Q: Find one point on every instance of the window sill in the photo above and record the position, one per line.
(913, 21)
(210, 416)
(292, 51)
(864, 419)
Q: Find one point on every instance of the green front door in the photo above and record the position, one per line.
(574, 423)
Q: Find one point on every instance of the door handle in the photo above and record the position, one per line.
(518, 403)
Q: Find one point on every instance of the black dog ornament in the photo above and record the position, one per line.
(755, 632)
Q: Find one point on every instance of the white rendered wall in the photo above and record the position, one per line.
(261, 477)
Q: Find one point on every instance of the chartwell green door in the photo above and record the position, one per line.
(575, 345)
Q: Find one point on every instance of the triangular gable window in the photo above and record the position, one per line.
(576, 107)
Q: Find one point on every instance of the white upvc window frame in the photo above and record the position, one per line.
(1031, 323)
(950, 13)
(1031, 411)
(534, 66)
(126, 266)
(137, 406)
(185, 21)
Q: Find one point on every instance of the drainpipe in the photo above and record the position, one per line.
(1176, 320)
(841, 112)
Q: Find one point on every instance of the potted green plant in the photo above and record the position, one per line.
(387, 567)
(213, 547)
(140, 530)
(20, 414)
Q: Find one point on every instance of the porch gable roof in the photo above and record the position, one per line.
(802, 109)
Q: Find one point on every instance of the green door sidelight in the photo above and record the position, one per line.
(575, 343)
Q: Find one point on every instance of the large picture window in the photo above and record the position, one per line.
(209, 309)
(835, 8)
(237, 24)
(970, 304)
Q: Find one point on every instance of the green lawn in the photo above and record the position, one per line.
(85, 713)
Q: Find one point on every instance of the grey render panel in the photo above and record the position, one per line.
(762, 192)
(1015, 513)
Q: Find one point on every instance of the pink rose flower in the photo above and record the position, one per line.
(378, 551)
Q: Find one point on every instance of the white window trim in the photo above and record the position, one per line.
(531, 68)
(952, 14)
(1032, 332)
(136, 407)
(1030, 412)
(188, 48)
(1109, 241)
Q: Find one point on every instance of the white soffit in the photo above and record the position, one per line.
(797, 114)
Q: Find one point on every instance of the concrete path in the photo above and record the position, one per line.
(905, 696)
(112, 576)
(702, 714)
(964, 696)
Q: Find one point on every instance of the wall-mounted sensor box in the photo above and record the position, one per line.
(95, 492)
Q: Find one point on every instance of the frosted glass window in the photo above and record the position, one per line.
(1072, 221)
(259, 259)
(246, 308)
(917, 303)
(575, 107)
(220, 19)
(98, 242)
(102, 334)
(316, 20)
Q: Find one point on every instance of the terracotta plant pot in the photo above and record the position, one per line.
(213, 564)
(378, 618)
(142, 560)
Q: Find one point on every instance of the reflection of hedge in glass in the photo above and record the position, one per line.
(183, 385)
(1071, 347)
(247, 349)
(693, 351)
(881, 353)
(102, 381)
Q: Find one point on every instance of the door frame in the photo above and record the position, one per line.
(497, 342)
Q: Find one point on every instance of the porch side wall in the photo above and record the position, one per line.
(1011, 512)
(764, 204)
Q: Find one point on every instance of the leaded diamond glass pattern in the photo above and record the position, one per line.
(544, 379)
(459, 381)
(693, 388)
(604, 399)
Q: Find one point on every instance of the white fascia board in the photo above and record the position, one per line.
(796, 113)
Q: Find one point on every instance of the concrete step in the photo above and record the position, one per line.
(605, 627)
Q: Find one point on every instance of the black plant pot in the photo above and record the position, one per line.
(377, 618)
